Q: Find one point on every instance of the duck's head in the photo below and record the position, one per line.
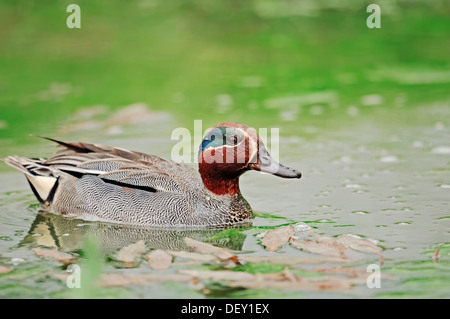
(230, 149)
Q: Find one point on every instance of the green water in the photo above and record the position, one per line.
(363, 113)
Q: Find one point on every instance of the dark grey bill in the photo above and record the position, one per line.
(266, 164)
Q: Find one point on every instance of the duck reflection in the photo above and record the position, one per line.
(68, 235)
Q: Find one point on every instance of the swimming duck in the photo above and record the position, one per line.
(112, 184)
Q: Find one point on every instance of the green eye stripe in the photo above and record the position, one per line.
(221, 136)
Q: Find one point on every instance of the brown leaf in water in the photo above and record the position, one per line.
(206, 248)
(275, 238)
(290, 276)
(219, 275)
(320, 246)
(122, 279)
(4, 270)
(159, 259)
(360, 244)
(330, 246)
(289, 281)
(294, 260)
(54, 254)
(353, 273)
(130, 253)
(201, 247)
(435, 257)
(286, 280)
(193, 256)
(62, 277)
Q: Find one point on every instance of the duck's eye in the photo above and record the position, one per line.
(233, 140)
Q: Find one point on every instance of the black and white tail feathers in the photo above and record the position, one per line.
(41, 178)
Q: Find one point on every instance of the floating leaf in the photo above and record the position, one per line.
(4, 270)
(130, 253)
(273, 239)
(360, 244)
(205, 248)
(294, 260)
(436, 255)
(159, 259)
(193, 256)
(322, 246)
(54, 254)
(290, 276)
(289, 281)
(354, 273)
(122, 279)
(219, 275)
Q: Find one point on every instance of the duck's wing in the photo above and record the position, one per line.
(119, 166)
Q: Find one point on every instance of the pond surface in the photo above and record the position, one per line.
(383, 180)
(363, 114)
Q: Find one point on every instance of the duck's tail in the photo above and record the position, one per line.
(41, 178)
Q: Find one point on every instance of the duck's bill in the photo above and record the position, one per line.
(266, 164)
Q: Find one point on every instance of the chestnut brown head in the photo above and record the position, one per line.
(228, 150)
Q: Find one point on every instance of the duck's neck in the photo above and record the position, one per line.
(218, 184)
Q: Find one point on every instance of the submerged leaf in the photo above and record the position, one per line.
(353, 273)
(273, 239)
(205, 248)
(122, 279)
(294, 260)
(360, 244)
(193, 256)
(219, 275)
(320, 246)
(289, 281)
(290, 276)
(4, 270)
(435, 257)
(54, 254)
(159, 259)
(130, 253)
(336, 247)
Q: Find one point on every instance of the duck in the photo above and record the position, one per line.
(103, 183)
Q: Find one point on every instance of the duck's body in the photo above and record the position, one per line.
(96, 182)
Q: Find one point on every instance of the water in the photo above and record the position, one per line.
(373, 179)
